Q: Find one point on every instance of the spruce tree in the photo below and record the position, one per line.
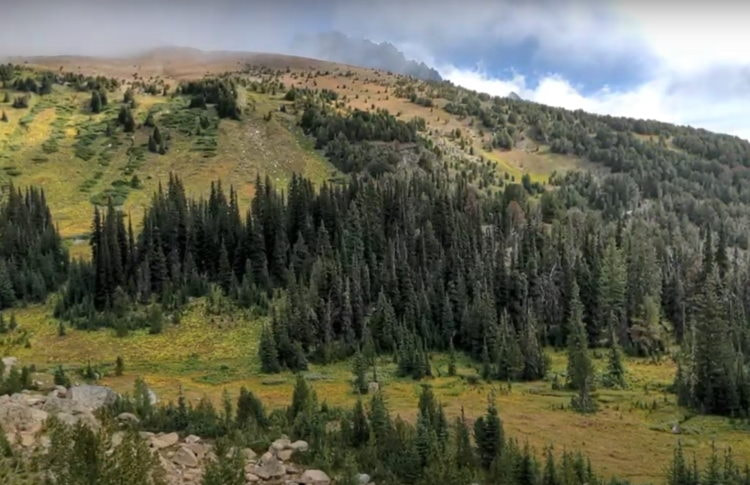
(119, 366)
(269, 356)
(4, 117)
(359, 370)
(489, 436)
(580, 367)
(7, 294)
(96, 102)
(615, 375)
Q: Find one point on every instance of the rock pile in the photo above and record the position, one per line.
(22, 418)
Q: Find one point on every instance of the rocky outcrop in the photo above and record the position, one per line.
(23, 415)
(92, 397)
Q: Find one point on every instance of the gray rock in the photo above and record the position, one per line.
(192, 438)
(128, 418)
(677, 429)
(373, 387)
(153, 399)
(284, 455)
(117, 438)
(248, 454)
(363, 478)
(16, 415)
(92, 397)
(198, 449)
(9, 363)
(271, 468)
(314, 477)
(184, 456)
(280, 444)
(164, 440)
(299, 446)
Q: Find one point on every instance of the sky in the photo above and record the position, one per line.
(684, 62)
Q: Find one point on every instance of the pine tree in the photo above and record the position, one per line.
(96, 102)
(465, 458)
(615, 375)
(509, 358)
(269, 357)
(580, 368)
(360, 432)
(7, 294)
(712, 370)
(451, 359)
(489, 436)
(119, 366)
(359, 370)
(155, 319)
(4, 117)
(613, 281)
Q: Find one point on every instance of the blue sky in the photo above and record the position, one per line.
(678, 61)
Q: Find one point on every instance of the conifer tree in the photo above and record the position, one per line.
(227, 467)
(119, 365)
(360, 432)
(359, 370)
(615, 375)
(489, 436)
(4, 117)
(96, 102)
(269, 357)
(580, 368)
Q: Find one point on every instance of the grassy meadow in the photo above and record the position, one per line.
(631, 435)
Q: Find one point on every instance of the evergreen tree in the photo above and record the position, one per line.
(269, 357)
(228, 466)
(489, 436)
(615, 375)
(580, 367)
(96, 102)
(119, 366)
(359, 370)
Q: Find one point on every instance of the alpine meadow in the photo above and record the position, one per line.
(229, 264)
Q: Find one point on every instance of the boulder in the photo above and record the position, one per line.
(284, 455)
(192, 438)
(248, 454)
(128, 418)
(280, 444)
(17, 416)
(677, 429)
(363, 479)
(92, 397)
(163, 440)
(117, 438)
(251, 478)
(8, 364)
(198, 449)
(299, 446)
(314, 477)
(184, 456)
(271, 468)
(373, 387)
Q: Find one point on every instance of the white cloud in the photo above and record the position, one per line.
(664, 98)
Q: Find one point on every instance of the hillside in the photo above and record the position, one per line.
(587, 273)
(61, 121)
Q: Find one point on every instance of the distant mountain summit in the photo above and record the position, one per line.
(337, 47)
